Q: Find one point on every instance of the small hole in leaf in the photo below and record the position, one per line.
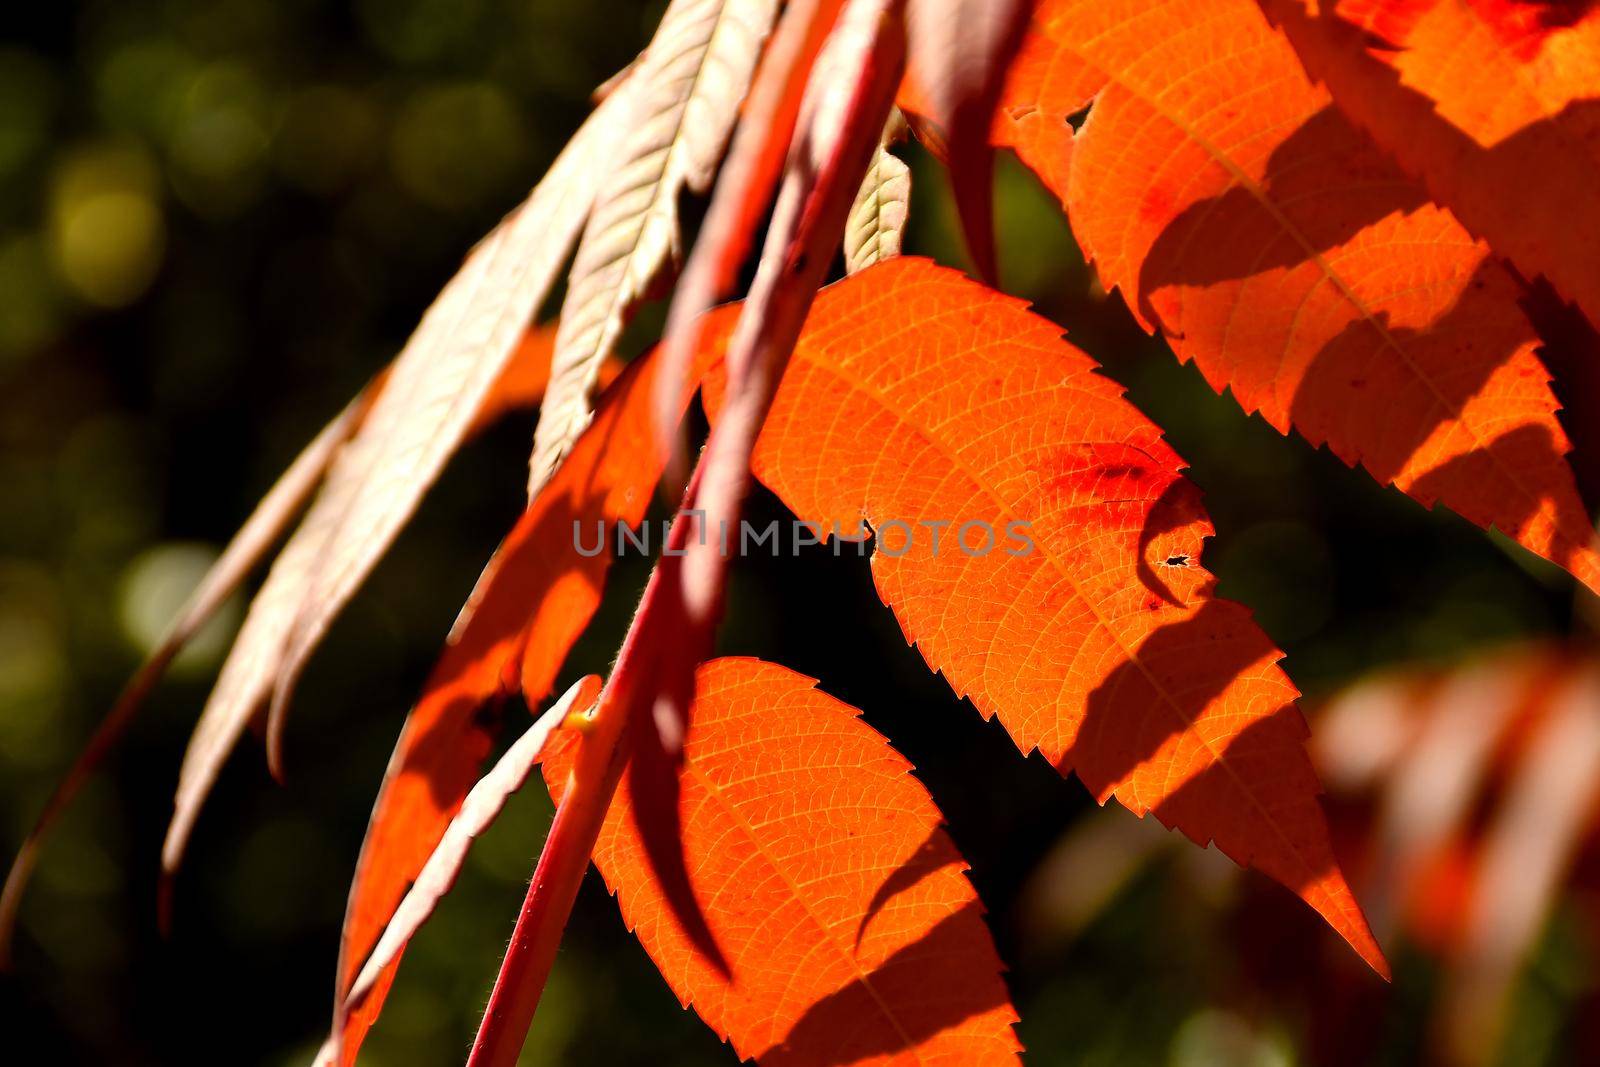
(1177, 561)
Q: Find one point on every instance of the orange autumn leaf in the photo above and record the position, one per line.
(850, 927)
(1044, 87)
(532, 603)
(916, 396)
(1493, 104)
(1278, 249)
(689, 85)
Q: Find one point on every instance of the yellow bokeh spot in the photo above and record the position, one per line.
(34, 675)
(154, 589)
(455, 145)
(107, 230)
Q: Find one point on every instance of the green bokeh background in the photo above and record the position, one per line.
(217, 219)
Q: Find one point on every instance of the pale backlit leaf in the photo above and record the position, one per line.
(434, 392)
(477, 813)
(690, 83)
(878, 217)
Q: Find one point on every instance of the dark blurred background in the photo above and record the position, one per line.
(217, 219)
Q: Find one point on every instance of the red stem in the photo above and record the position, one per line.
(602, 756)
(667, 639)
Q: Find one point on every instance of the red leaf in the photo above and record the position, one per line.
(1240, 213)
(847, 100)
(852, 932)
(1493, 104)
(917, 397)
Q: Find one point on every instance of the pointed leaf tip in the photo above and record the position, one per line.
(1073, 511)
